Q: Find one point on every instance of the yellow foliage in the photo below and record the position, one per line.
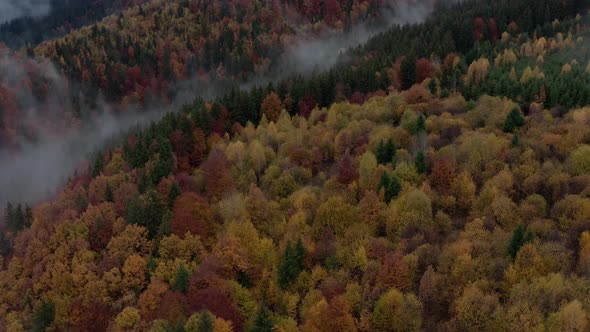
(128, 318)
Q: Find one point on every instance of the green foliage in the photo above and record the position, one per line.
(420, 163)
(16, 218)
(519, 238)
(392, 186)
(43, 316)
(386, 152)
(263, 321)
(421, 124)
(291, 263)
(172, 194)
(182, 279)
(408, 72)
(108, 193)
(513, 121)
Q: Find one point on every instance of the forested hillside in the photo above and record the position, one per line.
(438, 180)
(63, 16)
(138, 57)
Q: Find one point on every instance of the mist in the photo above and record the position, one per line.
(12, 9)
(40, 169)
(326, 51)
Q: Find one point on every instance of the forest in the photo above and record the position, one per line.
(436, 179)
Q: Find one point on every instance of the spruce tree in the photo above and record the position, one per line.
(205, 322)
(513, 121)
(108, 194)
(382, 153)
(263, 321)
(420, 124)
(408, 70)
(298, 258)
(43, 316)
(285, 266)
(172, 194)
(97, 167)
(420, 162)
(393, 189)
(182, 279)
(520, 237)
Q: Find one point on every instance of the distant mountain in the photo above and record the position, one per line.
(54, 19)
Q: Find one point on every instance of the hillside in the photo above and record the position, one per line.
(431, 181)
(150, 53)
(454, 198)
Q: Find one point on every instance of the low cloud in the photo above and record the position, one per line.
(12, 9)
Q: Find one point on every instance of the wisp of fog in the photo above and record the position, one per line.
(39, 169)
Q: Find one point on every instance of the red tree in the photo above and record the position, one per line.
(192, 214)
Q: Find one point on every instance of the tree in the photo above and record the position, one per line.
(393, 189)
(218, 179)
(43, 316)
(520, 236)
(108, 194)
(408, 72)
(291, 263)
(395, 312)
(182, 279)
(513, 121)
(347, 169)
(272, 106)
(420, 162)
(421, 124)
(263, 321)
(173, 194)
(192, 214)
(579, 160)
(200, 322)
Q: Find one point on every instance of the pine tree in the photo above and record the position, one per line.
(263, 321)
(298, 258)
(43, 316)
(285, 266)
(382, 153)
(420, 162)
(513, 121)
(420, 124)
(205, 322)
(408, 71)
(173, 193)
(97, 167)
(383, 183)
(108, 194)
(393, 189)
(182, 279)
(520, 237)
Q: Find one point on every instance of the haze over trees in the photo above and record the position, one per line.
(437, 180)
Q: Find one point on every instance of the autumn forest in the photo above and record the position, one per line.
(433, 175)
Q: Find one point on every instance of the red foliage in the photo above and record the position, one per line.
(173, 307)
(424, 70)
(218, 179)
(493, 29)
(306, 105)
(207, 292)
(357, 98)
(394, 272)
(100, 233)
(443, 174)
(347, 169)
(90, 317)
(192, 214)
